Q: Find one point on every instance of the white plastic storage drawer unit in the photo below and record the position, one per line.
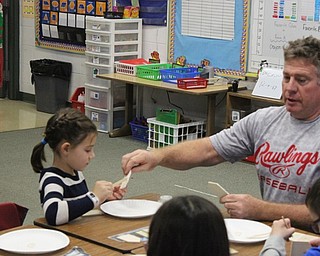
(108, 41)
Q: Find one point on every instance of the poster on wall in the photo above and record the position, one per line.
(28, 8)
(60, 24)
(210, 33)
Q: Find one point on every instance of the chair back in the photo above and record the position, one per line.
(11, 215)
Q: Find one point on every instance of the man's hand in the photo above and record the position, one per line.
(138, 161)
(245, 206)
(242, 206)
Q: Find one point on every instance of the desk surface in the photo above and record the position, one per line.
(97, 229)
(211, 89)
(90, 248)
(247, 94)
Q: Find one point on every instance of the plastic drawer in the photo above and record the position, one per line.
(98, 58)
(128, 56)
(92, 70)
(98, 23)
(126, 48)
(97, 96)
(98, 36)
(100, 117)
(127, 25)
(126, 37)
(98, 47)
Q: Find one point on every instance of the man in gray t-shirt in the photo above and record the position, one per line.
(285, 141)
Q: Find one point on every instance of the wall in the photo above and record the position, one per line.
(154, 38)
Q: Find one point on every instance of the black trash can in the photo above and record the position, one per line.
(51, 79)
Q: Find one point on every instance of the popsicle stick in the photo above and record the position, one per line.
(194, 190)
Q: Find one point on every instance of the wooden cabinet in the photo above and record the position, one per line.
(244, 102)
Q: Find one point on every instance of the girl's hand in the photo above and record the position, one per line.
(103, 190)
(282, 228)
(118, 193)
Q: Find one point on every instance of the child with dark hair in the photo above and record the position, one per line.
(64, 194)
(188, 226)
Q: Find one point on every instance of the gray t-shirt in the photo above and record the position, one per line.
(287, 151)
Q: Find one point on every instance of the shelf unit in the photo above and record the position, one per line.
(108, 41)
(243, 100)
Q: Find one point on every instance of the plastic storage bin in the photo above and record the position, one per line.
(75, 103)
(171, 75)
(98, 97)
(129, 67)
(152, 71)
(192, 83)
(162, 134)
(51, 79)
(139, 132)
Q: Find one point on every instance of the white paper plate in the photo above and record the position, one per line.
(33, 241)
(246, 231)
(130, 208)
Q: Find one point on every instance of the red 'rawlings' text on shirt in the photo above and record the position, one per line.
(279, 162)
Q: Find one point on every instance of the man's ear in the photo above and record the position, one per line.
(65, 147)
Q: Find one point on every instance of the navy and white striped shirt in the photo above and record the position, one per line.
(63, 197)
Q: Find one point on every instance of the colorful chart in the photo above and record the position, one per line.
(67, 20)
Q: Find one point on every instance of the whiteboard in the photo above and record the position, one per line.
(273, 23)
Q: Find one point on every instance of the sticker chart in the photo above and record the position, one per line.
(216, 19)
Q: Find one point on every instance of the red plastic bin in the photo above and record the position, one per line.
(74, 99)
(192, 83)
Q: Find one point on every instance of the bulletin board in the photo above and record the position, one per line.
(274, 23)
(228, 55)
(60, 24)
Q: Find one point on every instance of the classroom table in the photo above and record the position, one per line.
(210, 92)
(98, 229)
(244, 249)
(90, 248)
